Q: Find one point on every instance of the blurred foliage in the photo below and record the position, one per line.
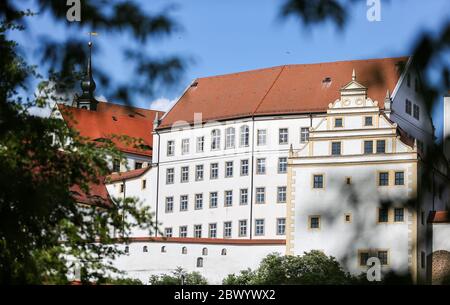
(178, 277)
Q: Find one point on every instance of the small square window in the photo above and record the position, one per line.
(318, 181)
(348, 180)
(383, 215)
(368, 121)
(348, 218)
(399, 178)
(383, 179)
(336, 148)
(314, 222)
(399, 214)
(383, 257)
(338, 122)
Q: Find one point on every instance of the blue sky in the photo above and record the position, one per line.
(237, 35)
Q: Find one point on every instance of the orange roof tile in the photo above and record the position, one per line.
(114, 177)
(281, 90)
(439, 217)
(113, 119)
(98, 194)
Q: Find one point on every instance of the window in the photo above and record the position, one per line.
(399, 215)
(336, 148)
(170, 148)
(283, 136)
(184, 146)
(223, 252)
(205, 251)
(199, 172)
(368, 147)
(399, 178)
(318, 181)
(408, 107)
(261, 139)
(261, 166)
(170, 173)
(169, 204)
(242, 228)
(183, 202)
(137, 165)
(185, 174)
(228, 198)
(184, 250)
(116, 165)
(214, 171)
(243, 197)
(227, 229)
(260, 195)
(228, 169)
(168, 232)
(213, 200)
(244, 167)
(200, 144)
(198, 231)
(199, 262)
(215, 139)
(212, 230)
(381, 146)
(383, 257)
(422, 260)
(183, 231)
(304, 134)
(230, 136)
(259, 227)
(422, 218)
(122, 188)
(198, 201)
(416, 112)
(368, 121)
(244, 140)
(348, 180)
(281, 194)
(338, 122)
(363, 258)
(314, 222)
(127, 249)
(348, 217)
(383, 179)
(281, 226)
(144, 184)
(282, 165)
(383, 215)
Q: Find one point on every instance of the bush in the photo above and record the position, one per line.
(192, 278)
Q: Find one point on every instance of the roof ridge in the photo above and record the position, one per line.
(270, 88)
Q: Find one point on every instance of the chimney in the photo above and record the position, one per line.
(446, 132)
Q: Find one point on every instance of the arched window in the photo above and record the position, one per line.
(205, 251)
(199, 262)
(215, 139)
(145, 249)
(224, 251)
(184, 250)
(163, 249)
(230, 136)
(244, 136)
(127, 249)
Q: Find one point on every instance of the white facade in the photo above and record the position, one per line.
(190, 202)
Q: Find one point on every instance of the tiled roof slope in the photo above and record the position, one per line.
(282, 90)
(113, 119)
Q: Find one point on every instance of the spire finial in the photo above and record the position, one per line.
(353, 75)
(87, 99)
(388, 94)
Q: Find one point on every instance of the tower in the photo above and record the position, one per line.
(87, 100)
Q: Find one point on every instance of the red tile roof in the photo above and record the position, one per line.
(439, 217)
(114, 177)
(282, 90)
(113, 119)
(98, 194)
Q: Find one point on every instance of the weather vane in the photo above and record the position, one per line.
(90, 37)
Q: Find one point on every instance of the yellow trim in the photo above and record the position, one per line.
(355, 163)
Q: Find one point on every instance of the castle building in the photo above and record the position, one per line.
(264, 161)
